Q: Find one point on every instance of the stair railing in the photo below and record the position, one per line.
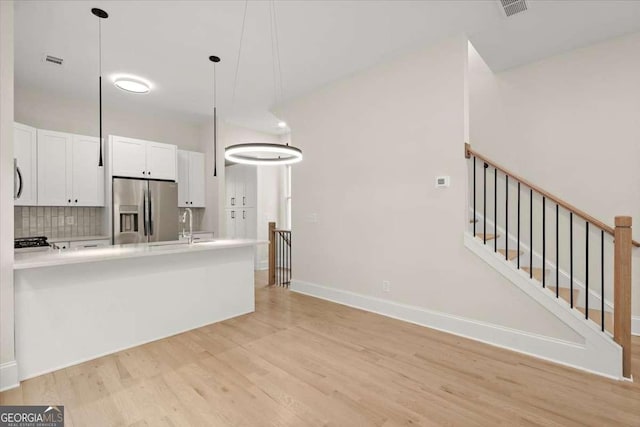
(621, 234)
(279, 256)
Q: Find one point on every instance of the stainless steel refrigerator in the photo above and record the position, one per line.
(144, 211)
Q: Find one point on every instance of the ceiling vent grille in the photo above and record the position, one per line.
(511, 7)
(53, 60)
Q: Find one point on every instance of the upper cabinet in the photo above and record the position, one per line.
(68, 171)
(191, 179)
(25, 149)
(136, 158)
(241, 184)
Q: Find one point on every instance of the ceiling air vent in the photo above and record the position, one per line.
(53, 60)
(511, 7)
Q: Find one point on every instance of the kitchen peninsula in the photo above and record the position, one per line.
(73, 306)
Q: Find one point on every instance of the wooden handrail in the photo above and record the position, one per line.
(469, 152)
(272, 253)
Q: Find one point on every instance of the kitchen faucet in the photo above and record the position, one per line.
(184, 219)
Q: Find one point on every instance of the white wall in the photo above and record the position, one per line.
(569, 124)
(54, 111)
(8, 370)
(364, 204)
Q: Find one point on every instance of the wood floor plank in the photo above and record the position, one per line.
(300, 361)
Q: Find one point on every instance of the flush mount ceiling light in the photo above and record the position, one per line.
(260, 153)
(132, 84)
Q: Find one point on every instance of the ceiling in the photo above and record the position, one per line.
(168, 43)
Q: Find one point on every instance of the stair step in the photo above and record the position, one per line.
(537, 272)
(489, 236)
(513, 254)
(565, 293)
(596, 316)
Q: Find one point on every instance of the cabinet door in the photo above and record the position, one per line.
(53, 159)
(128, 157)
(196, 180)
(231, 219)
(25, 151)
(161, 161)
(183, 179)
(249, 223)
(230, 177)
(87, 178)
(250, 183)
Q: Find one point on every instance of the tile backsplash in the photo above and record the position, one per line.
(56, 222)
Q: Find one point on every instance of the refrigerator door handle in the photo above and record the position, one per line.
(150, 214)
(144, 212)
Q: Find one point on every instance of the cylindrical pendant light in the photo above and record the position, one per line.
(101, 14)
(215, 60)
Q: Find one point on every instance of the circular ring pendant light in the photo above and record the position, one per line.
(260, 153)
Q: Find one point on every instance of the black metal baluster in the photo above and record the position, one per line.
(544, 242)
(484, 205)
(474, 197)
(602, 279)
(557, 251)
(495, 210)
(586, 272)
(506, 217)
(518, 226)
(531, 233)
(571, 257)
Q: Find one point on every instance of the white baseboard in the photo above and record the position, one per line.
(635, 326)
(9, 375)
(576, 355)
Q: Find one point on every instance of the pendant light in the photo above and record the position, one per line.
(215, 60)
(101, 14)
(259, 153)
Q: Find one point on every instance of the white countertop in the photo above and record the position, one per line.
(107, 253)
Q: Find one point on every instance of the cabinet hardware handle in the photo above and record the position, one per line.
(144, 173)
(76, 200)
(148, 172)
(243, 212)
(69, 200)
(233, 214)
(243, 201)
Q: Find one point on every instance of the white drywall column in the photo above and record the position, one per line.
(8, 369)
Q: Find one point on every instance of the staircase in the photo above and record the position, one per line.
(560, 255)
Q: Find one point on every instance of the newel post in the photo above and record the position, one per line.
(272, 253)
(622, 290)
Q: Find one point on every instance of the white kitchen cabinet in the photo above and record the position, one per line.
(86, 178)
(53, 157)
(161, 161)
(25, 152)
(191, 179)
(86, 244)
(241, 186)
(136, 158)
(241, 223)
(68, 171)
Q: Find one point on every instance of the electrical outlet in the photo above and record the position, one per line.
(386, 286)
(69, 220)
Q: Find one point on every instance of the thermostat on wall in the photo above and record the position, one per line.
(442, 181)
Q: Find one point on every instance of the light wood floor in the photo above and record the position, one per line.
(302, 361)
